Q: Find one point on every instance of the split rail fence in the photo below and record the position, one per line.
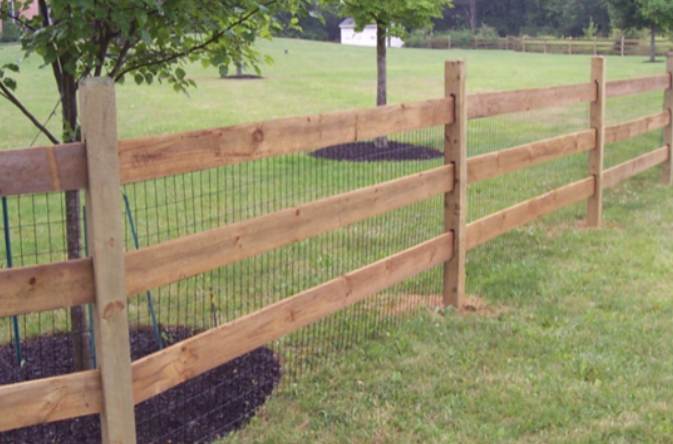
(596, 46)
(107, 278)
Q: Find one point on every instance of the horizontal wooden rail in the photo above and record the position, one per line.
(178, 259)
(158, 156)
(43, 169)
(178, 363)
(497, 163)
(621, 172)
(617, 88)
(495, 103)
(46, 287)
(51, 399)
(503, 221)
(637, 127)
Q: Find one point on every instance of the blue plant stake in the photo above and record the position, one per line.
(8, 253)
(134, 233)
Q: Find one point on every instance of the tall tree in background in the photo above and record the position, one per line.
(392, 18)
(637, 15)
(146, 39)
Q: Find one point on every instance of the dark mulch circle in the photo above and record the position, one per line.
(243, 77)
(368, 152)
(198, 411)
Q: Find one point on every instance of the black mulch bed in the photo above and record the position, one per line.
(368, 152)
(198, 411)
(243, 77)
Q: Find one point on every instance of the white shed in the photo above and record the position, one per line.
(365, 38)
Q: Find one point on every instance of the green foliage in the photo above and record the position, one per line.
(10, 32)
(591, 30)
(393, 16)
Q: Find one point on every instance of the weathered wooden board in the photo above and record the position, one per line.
(621, 172)
(636, 127)
(50, 399)
(596, 155)
(163, 370)
(158, 156)
(43, 169)
(496, 103)
(490, 165)
(455, 202)
(46, 287)
(172, 261)
(106, 244)
(617, 88)
(503, 221)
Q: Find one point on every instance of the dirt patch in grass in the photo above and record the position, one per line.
(473, 304)
(369, 152)
(197, 411)
(581, 225)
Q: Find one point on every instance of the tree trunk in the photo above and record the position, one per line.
(79, 332)
(473, 16)
(239, 69)
(381, 76)
(653, 49)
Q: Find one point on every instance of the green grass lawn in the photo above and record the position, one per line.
(571, 344)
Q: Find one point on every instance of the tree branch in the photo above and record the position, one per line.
(6, 93)
(192, 50)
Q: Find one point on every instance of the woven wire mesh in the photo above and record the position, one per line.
(173, 207)
(169, 208)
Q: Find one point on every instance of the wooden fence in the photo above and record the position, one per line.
(596, 46)
(110, 276)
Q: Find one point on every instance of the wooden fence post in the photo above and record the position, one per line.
(104, 229)
(545, 45)
(449, 41)
(523, 43)
(455, 202)
(597, 122)
(595, 46)
(668, 130)
(570, 45)
(622, 47)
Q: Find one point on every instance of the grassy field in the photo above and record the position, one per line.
(569, 341)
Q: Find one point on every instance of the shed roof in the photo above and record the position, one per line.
(350, 23)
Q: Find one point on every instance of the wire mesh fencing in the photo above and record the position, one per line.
(41, 344)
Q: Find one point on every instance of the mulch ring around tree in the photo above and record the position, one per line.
(242, 77)
(369, 152)
(197, 411)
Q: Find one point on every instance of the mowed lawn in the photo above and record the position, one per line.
(571, 341)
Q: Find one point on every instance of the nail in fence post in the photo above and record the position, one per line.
(106, 243)
(455, 202)
(597, 122)
(668, 129)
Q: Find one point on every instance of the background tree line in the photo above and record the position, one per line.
(559, 18)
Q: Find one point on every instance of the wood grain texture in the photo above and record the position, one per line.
(490, 165)
(158, 156)
(171, 261)
(106, 244)
(43, 169)
(667, 170)
(636, 127)
(51, 399)
(617, 88)
(623, 171)
(596, 155)
(455, 202)
(46, 287)
(503, 221)
(163, 370)
(496, 103)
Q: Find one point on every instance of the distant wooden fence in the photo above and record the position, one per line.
(596, 46)
(107, 278)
